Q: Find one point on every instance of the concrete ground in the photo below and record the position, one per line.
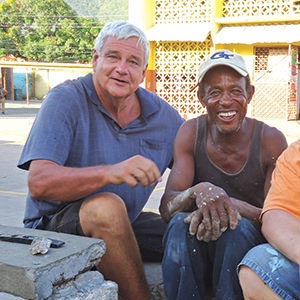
(14, 128)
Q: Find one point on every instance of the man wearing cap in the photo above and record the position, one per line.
(223, 162)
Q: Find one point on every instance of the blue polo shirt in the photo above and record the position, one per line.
(73, 129)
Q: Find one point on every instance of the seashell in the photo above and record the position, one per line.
(40, 245)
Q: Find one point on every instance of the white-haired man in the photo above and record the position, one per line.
(95, 153)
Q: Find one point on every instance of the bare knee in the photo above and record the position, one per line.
(246, 278)
(254, 288)
(103, 212)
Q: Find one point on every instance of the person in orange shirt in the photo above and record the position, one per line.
(272, 271)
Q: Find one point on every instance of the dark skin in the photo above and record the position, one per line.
(226, 96)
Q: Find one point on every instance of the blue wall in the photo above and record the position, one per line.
(20, 85)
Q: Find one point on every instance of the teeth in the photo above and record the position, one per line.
(227, 114)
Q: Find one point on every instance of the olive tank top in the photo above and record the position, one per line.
(248, 183)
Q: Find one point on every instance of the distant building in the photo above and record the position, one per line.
(24, 80)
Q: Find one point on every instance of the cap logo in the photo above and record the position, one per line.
(221, 54)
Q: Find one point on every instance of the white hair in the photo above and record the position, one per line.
(122, 30)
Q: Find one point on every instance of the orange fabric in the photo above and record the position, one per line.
(285, 185)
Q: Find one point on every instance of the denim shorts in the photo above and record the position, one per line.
(149, 229)
(278, 272)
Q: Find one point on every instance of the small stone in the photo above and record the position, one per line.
(40, 245)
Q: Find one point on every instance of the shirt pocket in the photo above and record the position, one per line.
(156, 150)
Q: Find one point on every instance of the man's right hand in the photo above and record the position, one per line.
(134, 170)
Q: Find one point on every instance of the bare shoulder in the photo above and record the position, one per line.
(186, 135)
(273, 141)
(189, 127)
(271, 133)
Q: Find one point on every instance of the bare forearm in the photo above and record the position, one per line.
(174, 202)
(247, 210)
(288, 245)
(66, 184)
(282, 231)
(50, 181)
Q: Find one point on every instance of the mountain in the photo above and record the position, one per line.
(104, 10)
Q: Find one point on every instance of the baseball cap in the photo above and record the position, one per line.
(223, 58)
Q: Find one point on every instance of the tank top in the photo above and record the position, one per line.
(248, 183)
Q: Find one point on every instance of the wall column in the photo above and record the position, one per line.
(142, 14)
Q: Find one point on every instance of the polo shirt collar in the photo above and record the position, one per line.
(149, 101)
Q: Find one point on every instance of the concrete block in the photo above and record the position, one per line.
(89, 285)
(5, 296)
(35, 276)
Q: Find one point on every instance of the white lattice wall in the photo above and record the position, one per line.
(242, 8)
(177, 65)
(184, 11)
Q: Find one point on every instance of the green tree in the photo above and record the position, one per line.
(48, 30)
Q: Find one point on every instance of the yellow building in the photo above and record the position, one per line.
(182, 33)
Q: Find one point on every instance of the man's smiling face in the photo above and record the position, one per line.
(119, 68)
(226, 98)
